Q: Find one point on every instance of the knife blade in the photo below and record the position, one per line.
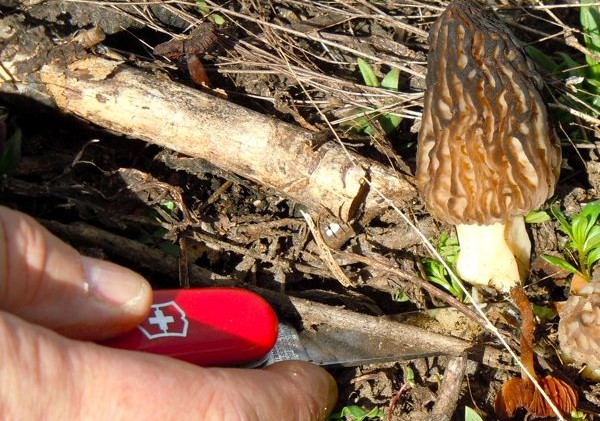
(335, 347)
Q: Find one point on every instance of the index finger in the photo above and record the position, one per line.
(46, 281)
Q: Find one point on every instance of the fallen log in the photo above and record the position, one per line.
(270, 152)
(140, 104)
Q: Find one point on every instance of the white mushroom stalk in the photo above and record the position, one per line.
(495, 255)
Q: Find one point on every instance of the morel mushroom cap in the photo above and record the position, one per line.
(486, 154)
(579, 330)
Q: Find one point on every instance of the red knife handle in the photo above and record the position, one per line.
(205, 326)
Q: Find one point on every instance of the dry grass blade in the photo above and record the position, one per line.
(305, 49)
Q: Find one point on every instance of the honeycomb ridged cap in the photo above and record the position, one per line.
(486, 152)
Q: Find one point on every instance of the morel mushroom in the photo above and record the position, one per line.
(486, 154)
(579, 330)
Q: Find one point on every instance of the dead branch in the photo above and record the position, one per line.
(141, 104)
(447, 398)
(267, 151)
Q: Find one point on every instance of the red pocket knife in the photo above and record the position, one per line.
(205, 326)
(235, 327)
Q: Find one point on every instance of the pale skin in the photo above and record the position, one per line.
(47, 287)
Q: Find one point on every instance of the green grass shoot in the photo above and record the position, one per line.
(582, 250)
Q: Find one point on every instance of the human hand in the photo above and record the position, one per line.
(47, 287)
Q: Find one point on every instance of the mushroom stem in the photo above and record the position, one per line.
(519, 243)
(495, 255)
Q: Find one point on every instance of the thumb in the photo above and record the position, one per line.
(47, 282)
(52, 377)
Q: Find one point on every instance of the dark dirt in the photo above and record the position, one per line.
(71, 171)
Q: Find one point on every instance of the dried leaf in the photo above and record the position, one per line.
(199, 41)
(515, 394)
(559, 392)
(197, 71)
(527, 328)
(521, 393)
(578, 282)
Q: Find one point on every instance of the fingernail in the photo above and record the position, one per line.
(112, 283)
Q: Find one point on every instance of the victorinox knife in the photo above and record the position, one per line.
(235, 327)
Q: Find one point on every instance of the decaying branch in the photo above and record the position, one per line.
(270, 152)
(450, 389)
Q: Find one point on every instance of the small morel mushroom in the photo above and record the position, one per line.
(486, 154)
(579, 330)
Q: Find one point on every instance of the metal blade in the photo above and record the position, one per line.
(331, 347)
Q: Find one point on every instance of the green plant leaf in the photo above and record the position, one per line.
(391, 79)
(578, 416)
(436, 272)
(356, 413)
(592, 239)
(542, 59)
(400, 297)
(441, 282)
(205, 11)
(582, 226)
(561, 263)
(591, 211)
(592, 257)
(360, 123)
(218, 20)
(202, 7)
(409, 376)
(564, 224)
(457, 290)
(169, 205)
(596, 105)
(590, 21)
(367, 73)
(579, 226)
(594, 82)
(375, 414)
(574, 68)
(544, 313)
(471, 415)
(434, 268)
(437, 269)
(389, 122)
(537, 217)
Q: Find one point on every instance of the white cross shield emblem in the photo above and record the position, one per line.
(166, 319)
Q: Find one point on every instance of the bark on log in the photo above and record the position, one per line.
(270, 152)
(265, 150)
